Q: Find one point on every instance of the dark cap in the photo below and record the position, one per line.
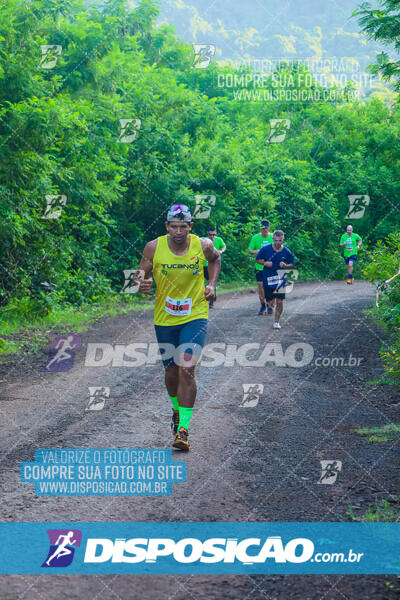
(265, 223)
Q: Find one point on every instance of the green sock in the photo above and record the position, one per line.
(185, 415)
(174, 400)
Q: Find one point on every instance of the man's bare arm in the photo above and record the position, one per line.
(214, 266)
(146, 266)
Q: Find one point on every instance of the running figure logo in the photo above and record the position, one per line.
(278, 131)
(202, 55)
(54, 206)
(357, 206)
(50, 55)
(62, 547)
(330, 469)
(251, 394)
(130, 287)
(128, 130)
(287, 277)
(204, 202)
(62, 353)
(98, 396)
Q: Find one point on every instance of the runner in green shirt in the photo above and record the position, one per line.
(351, 243)
(219, 244)
(256, 243)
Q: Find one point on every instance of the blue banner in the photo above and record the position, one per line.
(103, 472)
(200, 548)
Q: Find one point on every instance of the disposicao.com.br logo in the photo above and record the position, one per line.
(217, 354)
(213, 550)
(62, 547)
(201, 547)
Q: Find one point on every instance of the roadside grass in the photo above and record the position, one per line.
(386, 433)
(25, 331)
(390, 350)
(383, 511)
(28, 332)
(235, 286)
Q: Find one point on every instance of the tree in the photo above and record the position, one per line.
(383, 25)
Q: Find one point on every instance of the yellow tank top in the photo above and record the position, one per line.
(180, 284)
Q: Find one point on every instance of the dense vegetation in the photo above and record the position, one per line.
(383, 24)
(59, 135)
(384, 264)
(272, 29)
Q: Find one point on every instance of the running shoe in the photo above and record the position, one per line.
(181, 440)
(270, 310)
(175, 422)
(349, 281)
(262, 310)
(276, 326)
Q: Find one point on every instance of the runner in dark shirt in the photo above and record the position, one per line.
(273, 257)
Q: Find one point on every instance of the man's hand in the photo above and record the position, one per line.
(283, 265)
(145, 285)
(268, 263)
(209, 292)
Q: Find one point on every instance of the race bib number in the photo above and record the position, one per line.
(349, 244)
(178, 307)
(274, 280)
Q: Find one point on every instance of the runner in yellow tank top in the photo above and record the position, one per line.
(181, 308)
(180, 283)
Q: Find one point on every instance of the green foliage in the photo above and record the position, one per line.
(59, 131)
(386, 433)
(383, 25)
(243, 30)
(383, 264)
(383, 511)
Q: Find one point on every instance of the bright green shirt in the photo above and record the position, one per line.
(351, 241)
(218, 244)
(257, 242)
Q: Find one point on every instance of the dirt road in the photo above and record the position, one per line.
(254, 462)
